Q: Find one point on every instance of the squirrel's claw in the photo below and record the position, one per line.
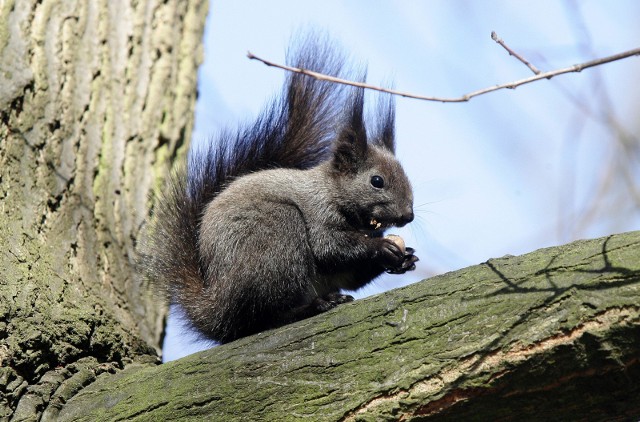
(330, 301)
(408, 263)
(338, 298)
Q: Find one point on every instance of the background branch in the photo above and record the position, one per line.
(511, 52)
(510, 85)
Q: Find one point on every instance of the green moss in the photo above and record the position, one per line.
(402, 351)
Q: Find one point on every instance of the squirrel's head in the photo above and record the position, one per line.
(372, 188)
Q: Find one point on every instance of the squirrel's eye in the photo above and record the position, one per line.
(377, 182)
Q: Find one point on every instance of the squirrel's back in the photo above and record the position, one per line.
(241, 246)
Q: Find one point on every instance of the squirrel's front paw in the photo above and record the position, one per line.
(408, 263)
(389, 254)
(395, 257)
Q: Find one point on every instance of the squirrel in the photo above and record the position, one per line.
(265, 226)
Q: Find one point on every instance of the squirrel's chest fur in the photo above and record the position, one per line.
(268, 214)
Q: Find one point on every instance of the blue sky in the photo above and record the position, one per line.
(506, 173)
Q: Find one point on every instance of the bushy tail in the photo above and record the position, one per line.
(295, 130)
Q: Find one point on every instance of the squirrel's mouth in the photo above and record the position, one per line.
(380, 226)
(374, 228)
(376, 225)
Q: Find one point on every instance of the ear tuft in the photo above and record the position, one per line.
(385, 117)
(351, 146)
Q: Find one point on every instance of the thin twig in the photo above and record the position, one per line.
(500, 41)
(509, 85)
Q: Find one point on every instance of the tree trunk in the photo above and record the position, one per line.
(96, 99)
(551, 335)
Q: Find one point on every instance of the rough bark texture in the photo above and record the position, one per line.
(96, 97)
(551, 335)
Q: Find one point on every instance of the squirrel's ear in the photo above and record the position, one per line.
(386, 117)
(351, 146)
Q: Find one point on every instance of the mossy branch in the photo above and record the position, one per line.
(551, 334)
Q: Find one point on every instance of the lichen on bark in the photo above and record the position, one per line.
(554, 334)
(89, 92)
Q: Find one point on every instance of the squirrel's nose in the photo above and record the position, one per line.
(406, 218)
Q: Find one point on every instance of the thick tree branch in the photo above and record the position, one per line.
(551, 335)
(509, 85)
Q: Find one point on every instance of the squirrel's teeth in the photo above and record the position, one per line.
(375, 224)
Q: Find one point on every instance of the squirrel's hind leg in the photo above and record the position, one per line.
(317, 306)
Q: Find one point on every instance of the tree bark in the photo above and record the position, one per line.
(96, 100)
(551, 335)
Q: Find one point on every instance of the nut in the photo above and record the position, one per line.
(397, 240)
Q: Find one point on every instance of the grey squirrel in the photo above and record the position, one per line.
(268, 224)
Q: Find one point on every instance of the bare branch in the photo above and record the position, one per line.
(509, 85)
(500, 41)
